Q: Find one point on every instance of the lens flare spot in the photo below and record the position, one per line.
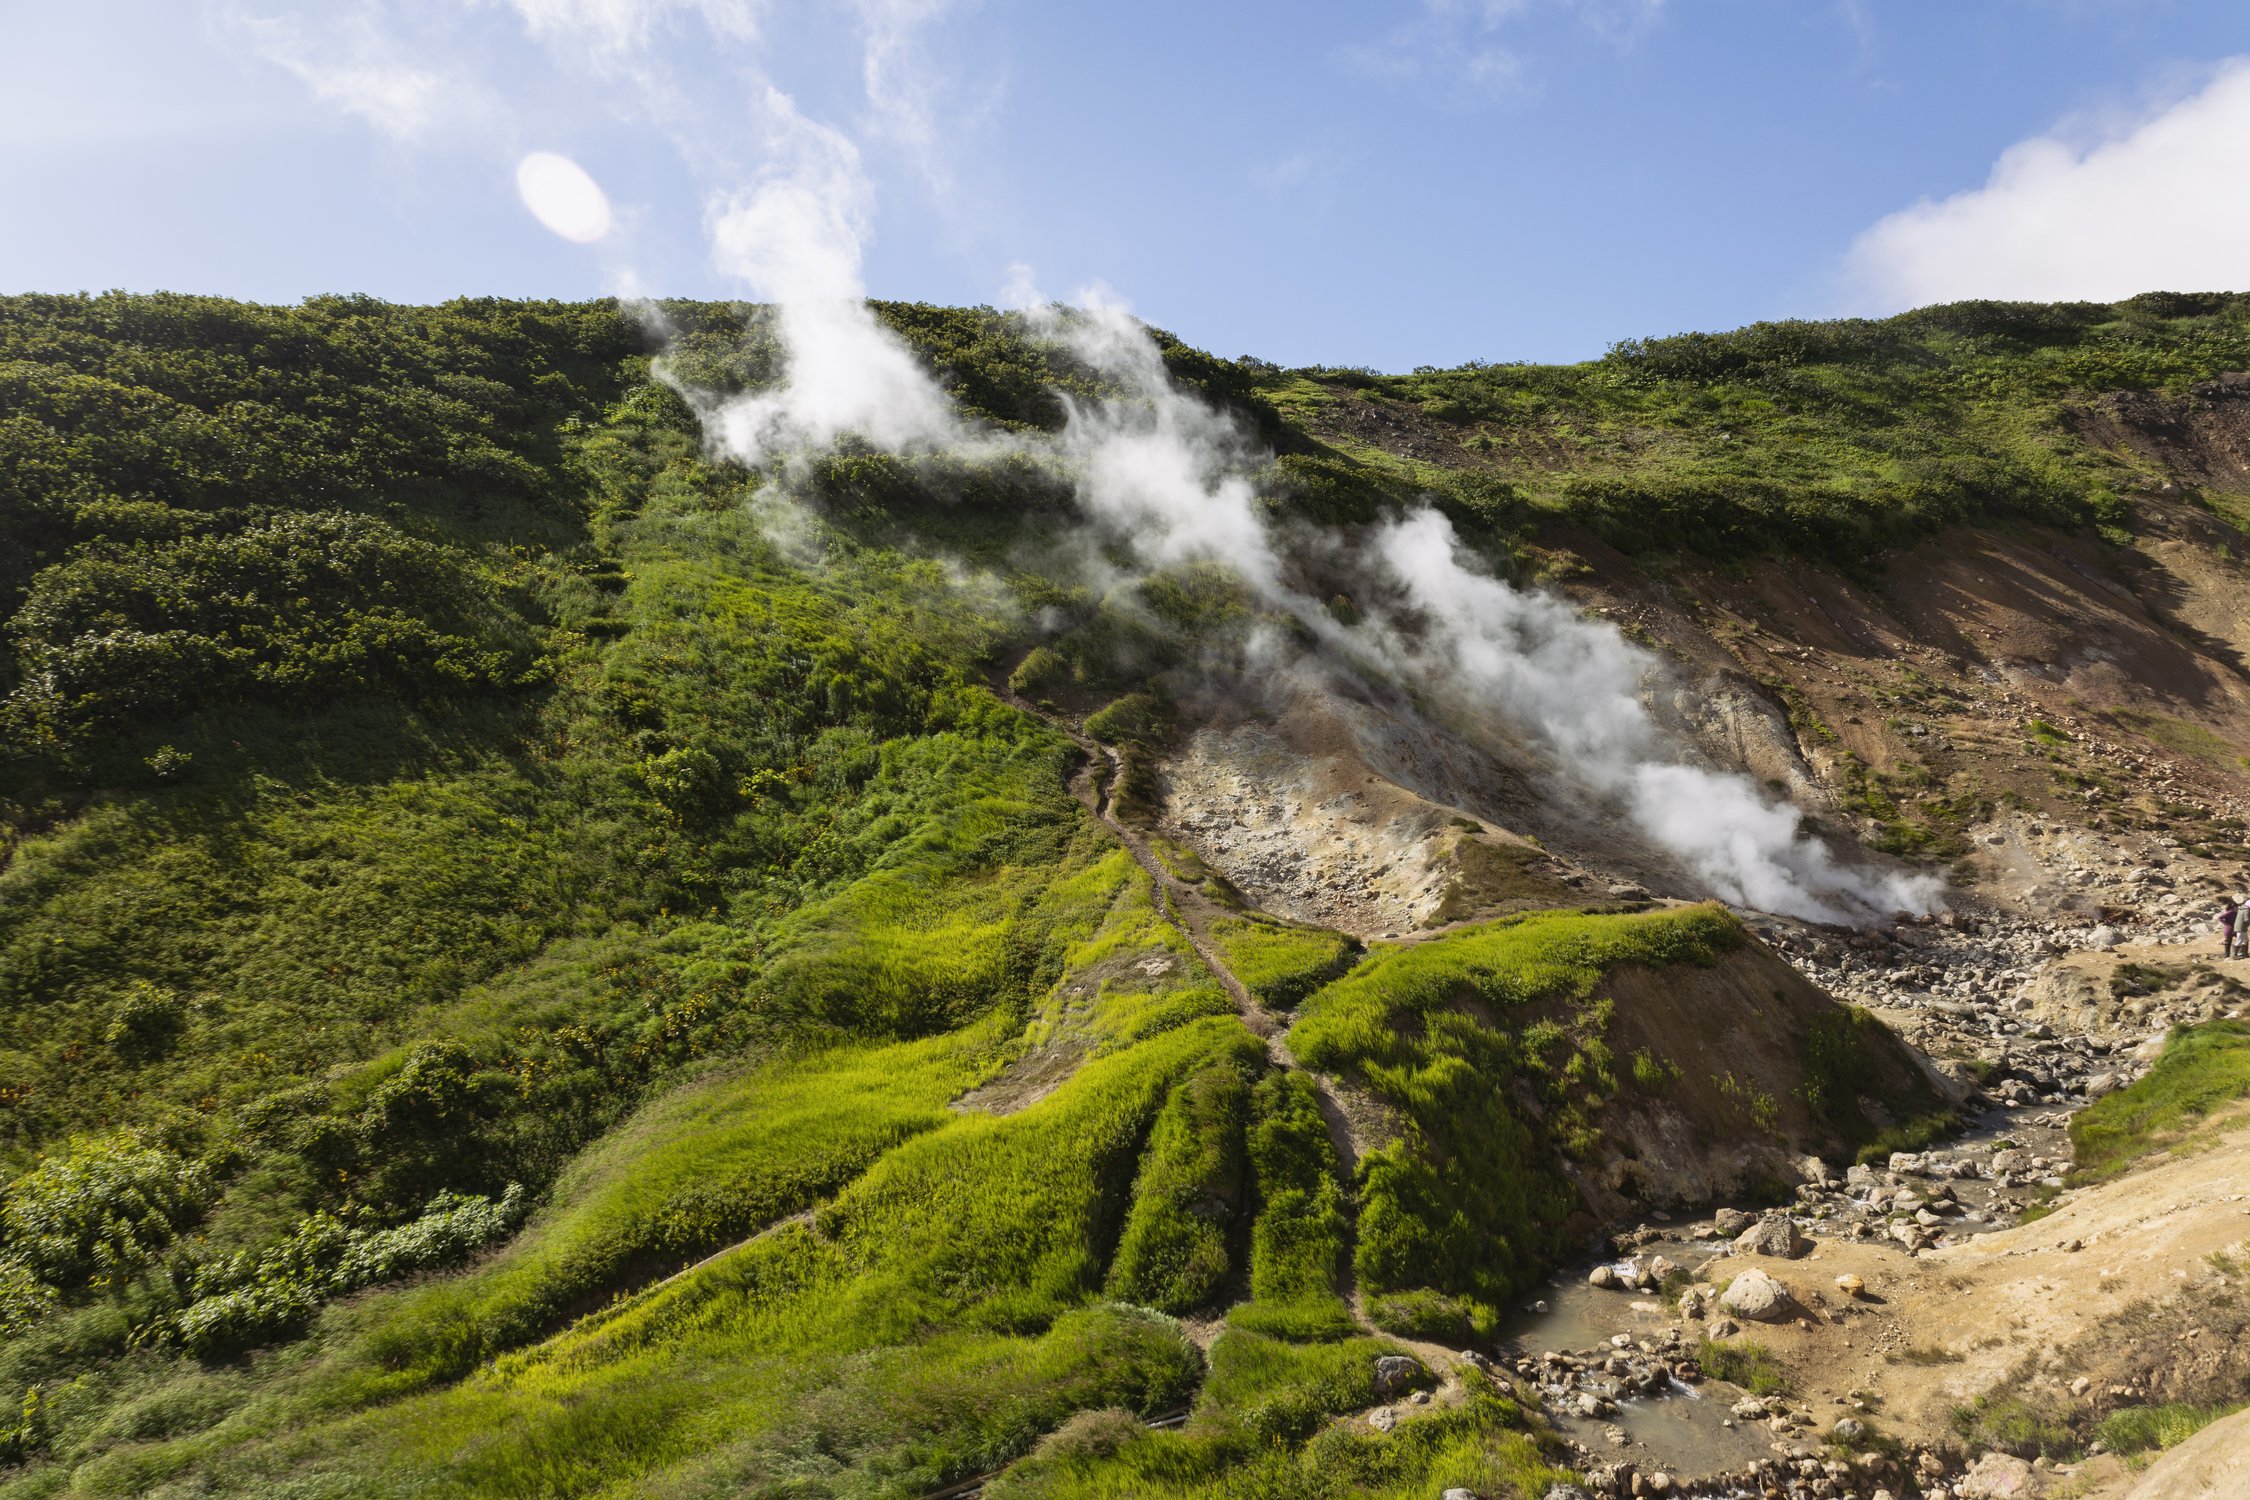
(563, 197)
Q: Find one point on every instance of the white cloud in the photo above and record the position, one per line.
(1460, 43)
(2153, 203)
(351, 63)
(615, 30)
(902, 89)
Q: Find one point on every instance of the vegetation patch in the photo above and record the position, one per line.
(1745, 1363)
(1484, 1444)
(1175, 1252)
(2202, 1069)
(2139, 1429)
(1281, 965)
(1298, 1239)
(1471, 1201)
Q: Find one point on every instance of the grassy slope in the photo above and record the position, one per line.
(1834, 438)
(581, 840)
(2202, 1069)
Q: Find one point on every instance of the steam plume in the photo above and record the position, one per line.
(1175, 478)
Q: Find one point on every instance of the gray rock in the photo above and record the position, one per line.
(2104, 936)
(1554, 1492)
(1382, 1419)
(1775, 1235)
(1602, 1278)
(1758, 1297)
(1849, 1429)
(1731, 1221)
(1394, 1373)
(1457, 1493)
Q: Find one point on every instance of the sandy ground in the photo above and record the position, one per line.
(2004, 1309)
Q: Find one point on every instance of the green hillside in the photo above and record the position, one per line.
(492, 939)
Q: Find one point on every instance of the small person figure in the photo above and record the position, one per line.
(2228, 911)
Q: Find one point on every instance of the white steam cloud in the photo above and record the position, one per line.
(1573, 686)
(1174, 478)
(1167, 474)
(794, 237)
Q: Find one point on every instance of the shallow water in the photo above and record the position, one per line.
(1683, 1432)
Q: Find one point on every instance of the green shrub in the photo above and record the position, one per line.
(2027, 1426)
(1281, 965)
(98, 1214)
(1424, 1314)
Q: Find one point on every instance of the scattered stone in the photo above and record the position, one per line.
(1850, 1285)
(1382, 1419)
(1603, 1278)
(1849, 1429)
(1731, 1221)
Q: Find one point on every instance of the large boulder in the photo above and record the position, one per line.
(1775, 1235)
(1997, 1476)
(1394, 1373)
(1758, 1297)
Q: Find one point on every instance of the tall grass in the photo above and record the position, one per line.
(1297, 1239)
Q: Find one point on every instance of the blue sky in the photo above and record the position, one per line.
(1424, 181)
